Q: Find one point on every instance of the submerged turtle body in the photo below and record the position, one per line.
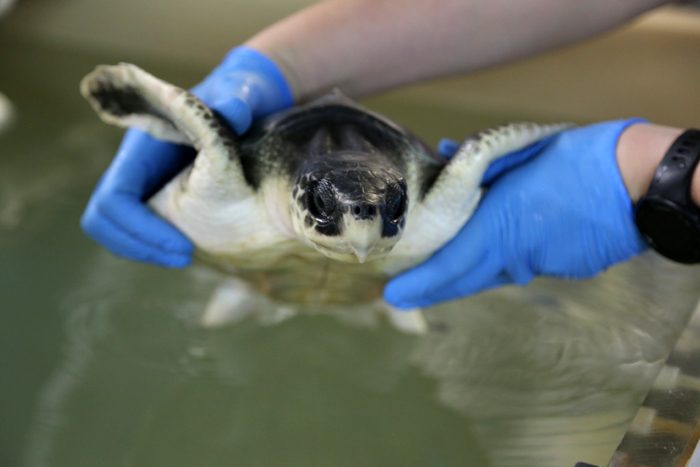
(321, 203)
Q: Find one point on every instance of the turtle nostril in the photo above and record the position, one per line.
(364, 211)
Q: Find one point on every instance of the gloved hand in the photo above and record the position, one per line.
(246, 85)
(565, 212)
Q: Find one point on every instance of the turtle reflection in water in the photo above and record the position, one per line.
(319, 204)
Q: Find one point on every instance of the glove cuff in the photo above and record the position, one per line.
(267, 88)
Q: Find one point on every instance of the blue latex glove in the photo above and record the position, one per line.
(246, 85)
(564, 212)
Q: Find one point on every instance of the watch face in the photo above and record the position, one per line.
(669, 229)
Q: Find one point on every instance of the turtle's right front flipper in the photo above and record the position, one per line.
(126, 96)
(454, 195)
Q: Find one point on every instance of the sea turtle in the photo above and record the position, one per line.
(320, 203)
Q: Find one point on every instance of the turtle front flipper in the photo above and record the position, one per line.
(455, 194)
(126, 96)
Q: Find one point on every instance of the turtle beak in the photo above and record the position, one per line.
(361, 251)
(362, 235)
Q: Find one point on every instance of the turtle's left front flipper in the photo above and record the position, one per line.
(454, 195)
(126, 96)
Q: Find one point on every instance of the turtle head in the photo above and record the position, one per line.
(350, 206)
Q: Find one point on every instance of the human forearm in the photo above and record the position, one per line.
(365, 46)
(639, 152)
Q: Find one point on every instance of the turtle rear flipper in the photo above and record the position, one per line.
(126, 96)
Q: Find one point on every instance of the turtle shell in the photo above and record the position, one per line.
(282, 142)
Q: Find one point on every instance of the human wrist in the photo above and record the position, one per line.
(640, 149)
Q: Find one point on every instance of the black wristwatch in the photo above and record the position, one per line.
(666, 216)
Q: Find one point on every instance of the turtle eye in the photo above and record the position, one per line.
(395, 204)
(321, 198)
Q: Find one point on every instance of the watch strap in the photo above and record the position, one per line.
(674, 175)
(666, 215)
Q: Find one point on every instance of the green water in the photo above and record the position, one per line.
(103, 363)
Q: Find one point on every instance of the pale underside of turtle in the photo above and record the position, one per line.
(319, 204)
